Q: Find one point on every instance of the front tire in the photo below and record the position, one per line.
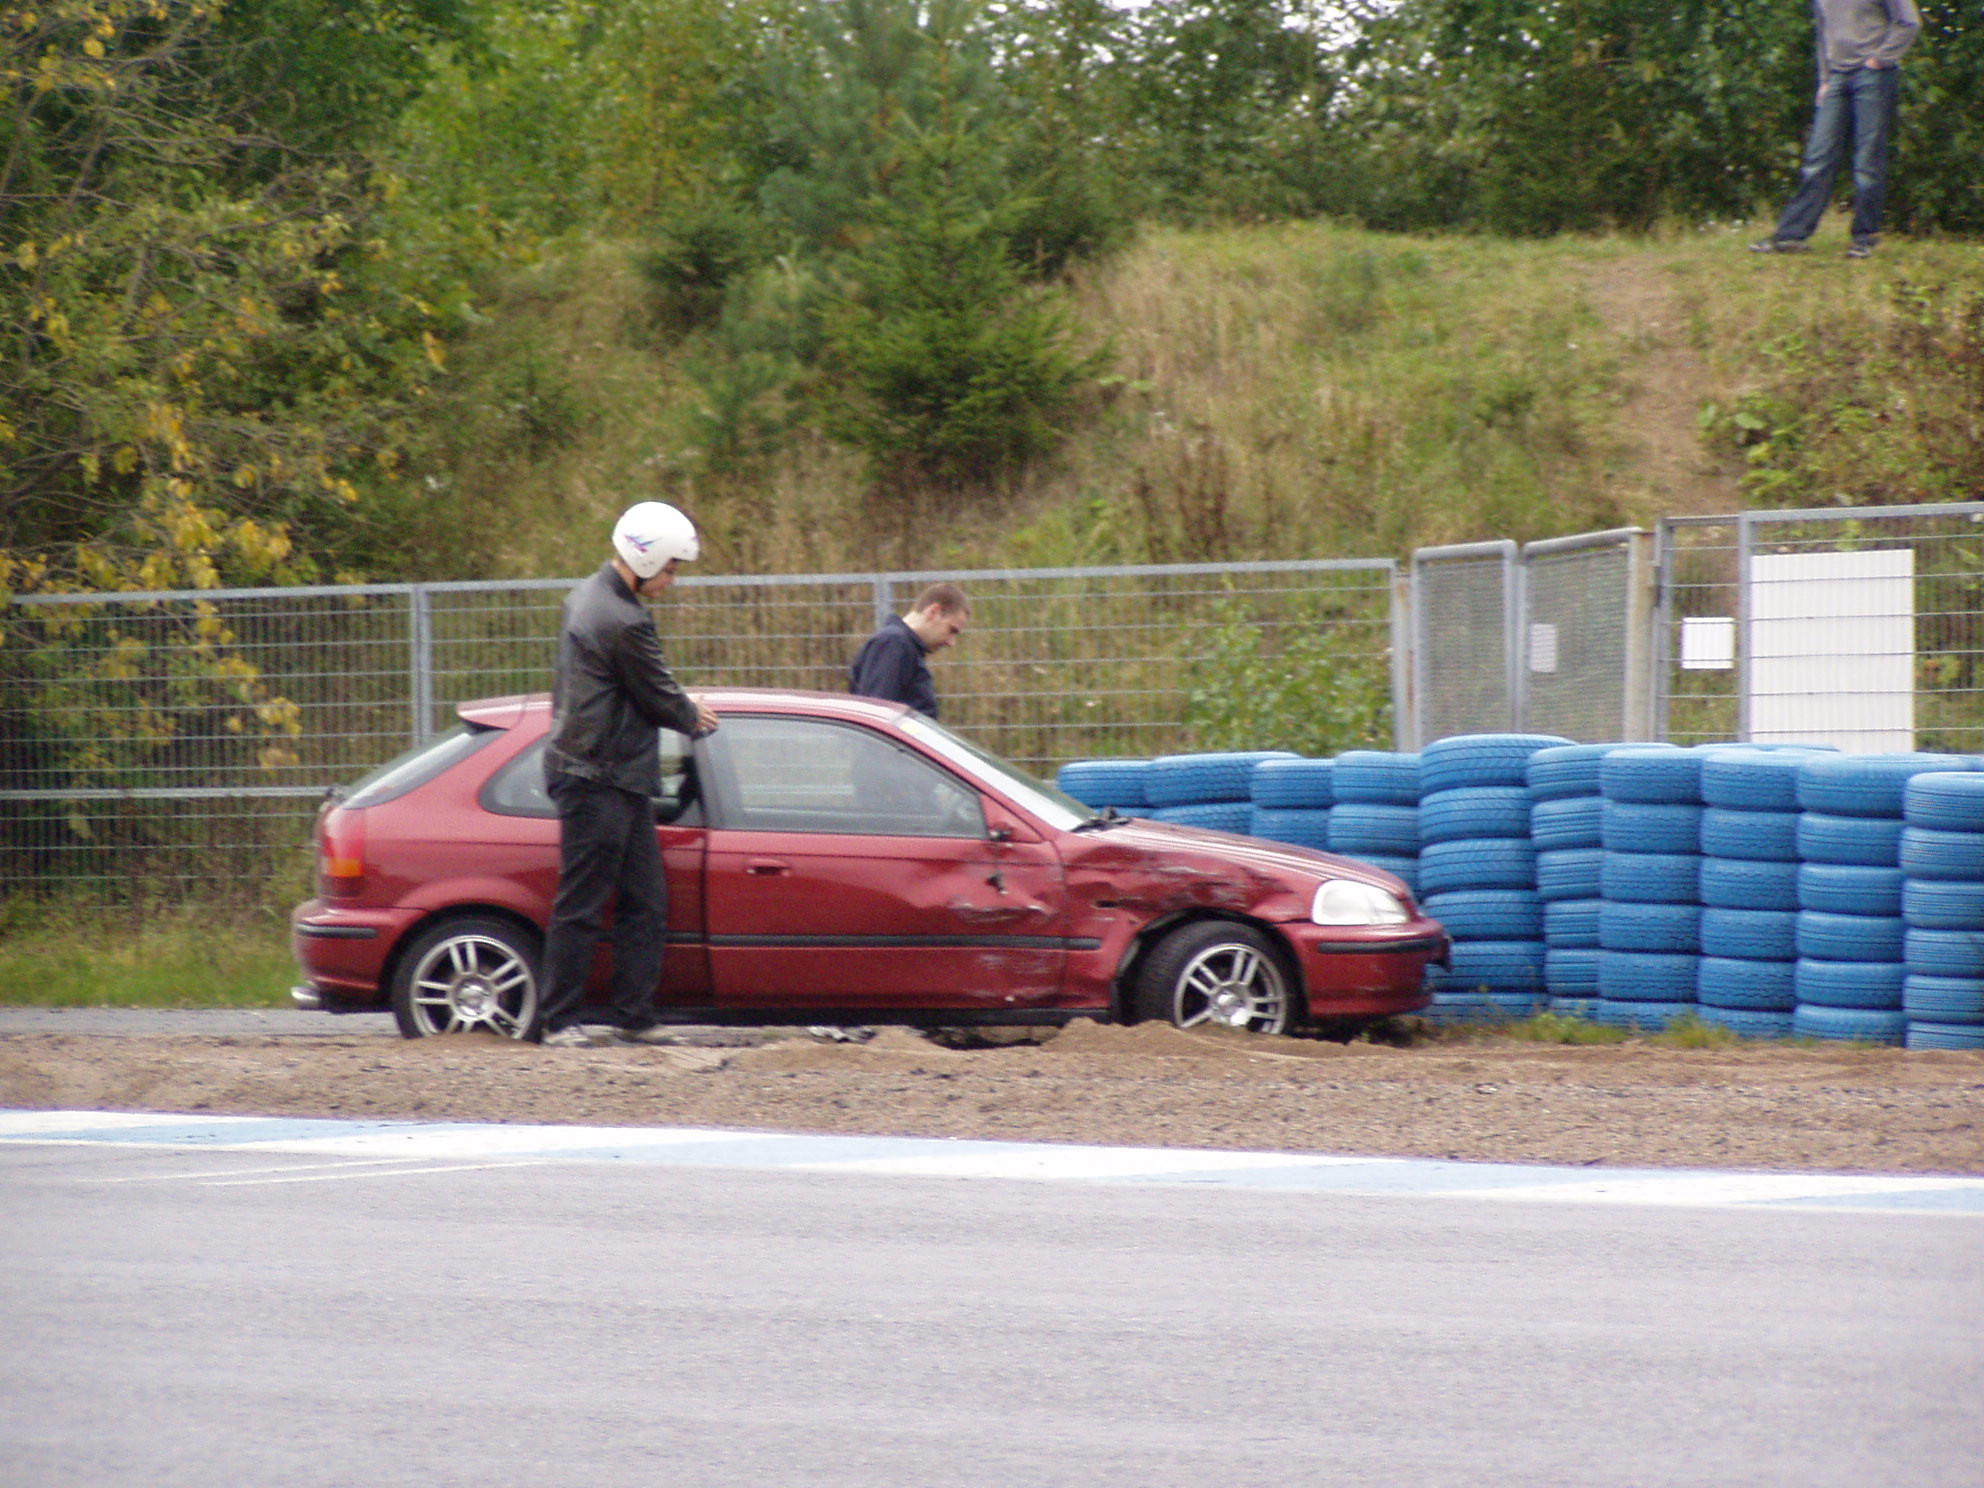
(1215, 973)
(466, 973)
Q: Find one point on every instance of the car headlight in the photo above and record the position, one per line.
(1342, 901)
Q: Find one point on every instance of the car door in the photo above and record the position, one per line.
(517, 790)
(846, 870)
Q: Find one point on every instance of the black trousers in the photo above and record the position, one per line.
(606, 847)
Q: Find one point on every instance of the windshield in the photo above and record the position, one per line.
(1050, 803)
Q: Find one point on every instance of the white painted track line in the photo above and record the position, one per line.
(359, 1149)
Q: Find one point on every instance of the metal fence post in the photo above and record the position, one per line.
(1643, 636)
(1405, 703)
(420, 660)
(884, 600)
(1746, 537)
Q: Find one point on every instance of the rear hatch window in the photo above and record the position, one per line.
(418, 765)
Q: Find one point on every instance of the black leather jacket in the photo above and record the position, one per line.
(612, 690)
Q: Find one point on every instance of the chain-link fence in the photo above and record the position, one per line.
(1550, 637)
(179, 742)
(1466, 617)
(1862, 628)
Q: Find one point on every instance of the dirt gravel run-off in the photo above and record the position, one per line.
(1843, 1109)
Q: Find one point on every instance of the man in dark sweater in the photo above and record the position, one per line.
(610, 693)
(1860, 46)
(893, 662)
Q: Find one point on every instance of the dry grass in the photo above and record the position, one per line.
(1299, 390)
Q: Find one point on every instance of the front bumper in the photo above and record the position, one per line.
(1361, 973)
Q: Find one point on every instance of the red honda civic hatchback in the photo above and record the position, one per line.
(836, 859)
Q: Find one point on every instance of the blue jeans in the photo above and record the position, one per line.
(1858, 104)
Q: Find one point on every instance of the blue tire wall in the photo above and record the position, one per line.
(1647, 976)
(1295, 783)
(1748, 1023)
(1575, 873)
(1753, 779)
(1927, 1035)
(1651, 878)
(1567, 821)
(1731, 982)
(1873, 785)
(1488, 914)
(1952, 802)
(1870, 841)
(1377, 777)
(1867, 1025)
(1841, 937)
(1936, 999)
(1643, 1017)
(1468, 812)
(1360, 827)
(1201, 779)
(1847, 888)
(1849, 984)
(1769, 836)
(1566, 770)
(1484, 864)
(1735, 883)
(1640, 827)
(1481, 760)
(1751, 934)
(1302, 826)
(1217, 816)
(1652, 773)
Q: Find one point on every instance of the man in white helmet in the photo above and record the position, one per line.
(602, 767)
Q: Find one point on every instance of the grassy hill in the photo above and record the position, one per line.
(1293, 390)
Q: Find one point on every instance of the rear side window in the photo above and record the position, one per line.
(518, 788)
(418, 765)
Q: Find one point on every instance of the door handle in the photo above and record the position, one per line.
(766, 867)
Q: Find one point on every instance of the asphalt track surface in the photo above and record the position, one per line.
(199, 1300)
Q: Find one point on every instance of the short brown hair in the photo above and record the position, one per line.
(946, 597)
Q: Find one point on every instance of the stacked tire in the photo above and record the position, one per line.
(1098, 783)
(1207, 790)
(1477, 875)
(1942, 902)
(1749, 889)
(1649, 924)
(1565, 806)
(1374, 817)
(1851, 945)
(1292, 800)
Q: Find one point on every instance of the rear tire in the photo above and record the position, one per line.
(468, 972)
(1216, 973)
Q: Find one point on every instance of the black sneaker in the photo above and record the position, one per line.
(1778, 245)
(654, 1033)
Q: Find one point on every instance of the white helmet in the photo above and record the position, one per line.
(650, 533)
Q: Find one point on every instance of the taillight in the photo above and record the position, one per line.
(341, 853)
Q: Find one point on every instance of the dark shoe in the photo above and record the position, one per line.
(654, 1033)
(1861, 249)
(828, 1033)
(1778, 245)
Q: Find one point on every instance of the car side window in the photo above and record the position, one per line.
(518, 788)
(810, 775)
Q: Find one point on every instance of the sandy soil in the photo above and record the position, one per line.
(1844, 1109)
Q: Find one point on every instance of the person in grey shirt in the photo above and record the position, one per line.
(1859, 47)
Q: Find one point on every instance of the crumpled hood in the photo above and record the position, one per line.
(1272, 880)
